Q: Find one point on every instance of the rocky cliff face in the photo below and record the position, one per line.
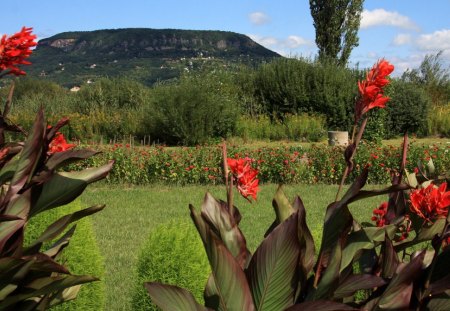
(145, 41)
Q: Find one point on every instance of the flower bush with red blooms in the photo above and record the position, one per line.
(32, 275)
(379, 214)
(286, 273)
(244, 176)
(14, 51)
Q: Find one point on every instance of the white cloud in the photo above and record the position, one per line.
(289, 46)
(381, 17)
(264, 41)
(402, 39)
(293, 42)
(438, 40)
(259, 18)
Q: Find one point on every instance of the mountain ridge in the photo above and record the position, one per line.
(152, 54)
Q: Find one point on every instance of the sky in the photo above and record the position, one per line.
(401, 31)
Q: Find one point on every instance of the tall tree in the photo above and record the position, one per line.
(337, 24)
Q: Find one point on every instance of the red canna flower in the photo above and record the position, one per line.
(431, 202)
(59, 144)
(14, 50)
(244, 176)
(371, 89)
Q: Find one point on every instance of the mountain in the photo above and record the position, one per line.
(147, 55)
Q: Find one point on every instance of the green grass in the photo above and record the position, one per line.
(124, 225)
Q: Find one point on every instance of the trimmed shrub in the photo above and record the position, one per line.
(407, 110)
(82, 256)
(173, 254)
(198, 108)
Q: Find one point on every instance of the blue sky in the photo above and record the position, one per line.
(402, 31)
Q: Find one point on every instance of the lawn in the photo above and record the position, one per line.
(131, 213)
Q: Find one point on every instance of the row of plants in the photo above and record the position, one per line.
(284, 164)
(287, 98)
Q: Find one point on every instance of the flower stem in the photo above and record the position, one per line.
(228, 182)
(356, 143)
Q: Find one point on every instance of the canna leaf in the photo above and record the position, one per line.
(217, 215)
(322, 305)
(170, 298)
(389, 260)
(230, 284)
(366, 238)
(307, 248)
(44, 286)
(60, 159)
(398, 293)
(61, 224)
(272, 269)
(357, 282)
(64, 187)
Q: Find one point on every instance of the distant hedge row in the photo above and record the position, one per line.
(205, 106)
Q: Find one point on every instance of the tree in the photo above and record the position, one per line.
(336, 23)
(433, 75)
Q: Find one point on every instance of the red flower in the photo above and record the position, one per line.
(379, 214)
(244, 176)
(371, 89)
(431, 202)
(59, 144)
(14, 50)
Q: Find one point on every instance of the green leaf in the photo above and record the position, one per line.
(411, 179)
(272, 269)
(64, 187)
(366, 238)
(28, 157)
(357, 282)
(430, 167)
(12, 270)
(283, 209)
(54, 250)
(230, 284)
(338, 219)
(61, 224)
(44, 286)
(229, 277)
(171, 298)
(398, 293)
(307, 248)
(439, 302)
(322, 305)
(428, 231)
(64, 295)
(18, 207)
(389, 260)
(60, 159)
(217, 215)
(330, 278)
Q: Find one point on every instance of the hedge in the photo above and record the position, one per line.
(82, 257)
